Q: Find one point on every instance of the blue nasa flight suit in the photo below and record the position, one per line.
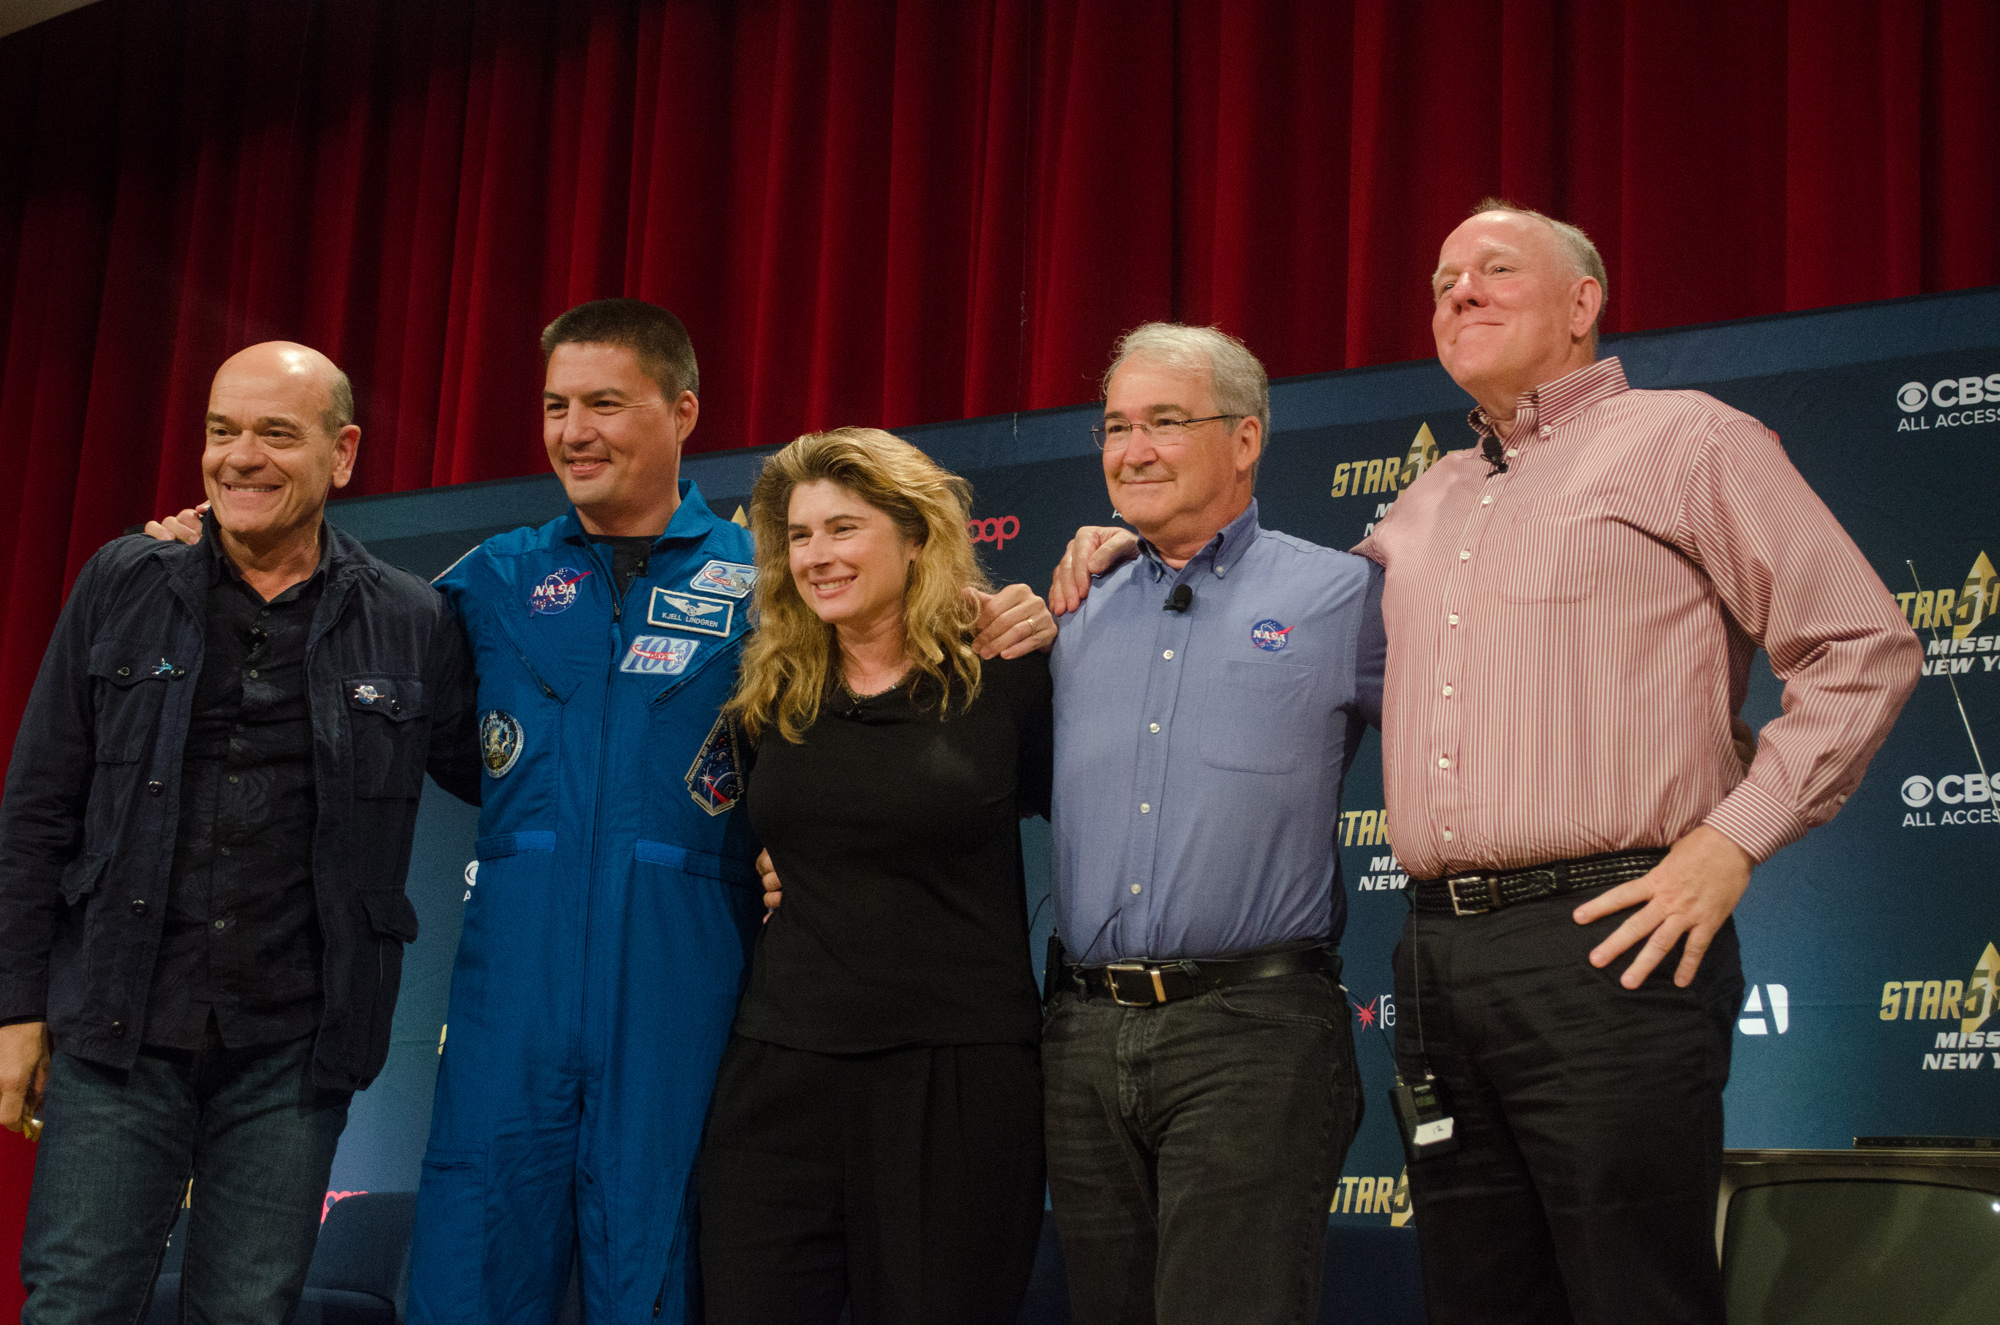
(606, 933)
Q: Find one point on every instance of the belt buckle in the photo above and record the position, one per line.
(1111, 982)
(1491, 902)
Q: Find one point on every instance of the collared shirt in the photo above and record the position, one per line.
(1200, 754)
(242, 939)
(1572, 636)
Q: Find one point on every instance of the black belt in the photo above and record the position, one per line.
(1476, 894)
(1139, 984)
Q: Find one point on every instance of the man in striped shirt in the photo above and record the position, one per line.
(1572, 609)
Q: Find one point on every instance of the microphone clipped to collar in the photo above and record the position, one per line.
(1179, 600)
(1494, 456)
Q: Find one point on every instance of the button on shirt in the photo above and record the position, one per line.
(1573, 635)
(242, 938)
(1200, 754)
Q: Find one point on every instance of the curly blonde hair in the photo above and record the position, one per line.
(788, 663)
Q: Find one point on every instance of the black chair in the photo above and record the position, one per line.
(360, 1269)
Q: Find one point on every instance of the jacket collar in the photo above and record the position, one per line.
(341, 559)
(692, 521)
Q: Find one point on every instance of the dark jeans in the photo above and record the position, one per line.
(907, 1183)
(117, 1150)
(1194, 1149)
(1591, 1117)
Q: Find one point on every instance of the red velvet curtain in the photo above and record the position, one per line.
(890, 213)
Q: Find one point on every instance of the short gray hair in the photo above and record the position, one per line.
(339, 411)
(1235, 377)
(1576, 247)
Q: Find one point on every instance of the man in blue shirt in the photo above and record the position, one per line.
(1200, 1082)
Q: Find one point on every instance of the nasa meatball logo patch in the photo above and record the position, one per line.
(500, 742)
(557, 591)
(1270, 635)
(715, 778)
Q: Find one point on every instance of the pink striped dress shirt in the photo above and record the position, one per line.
(1568, 640)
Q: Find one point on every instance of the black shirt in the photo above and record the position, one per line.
(629, 553)
(242, 940)
(897, 835)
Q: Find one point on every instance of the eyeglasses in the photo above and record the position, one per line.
(1114, 435)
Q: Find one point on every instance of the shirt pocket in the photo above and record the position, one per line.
(1254, 717)
(1548, 559)
(129, 689)
(389, 740)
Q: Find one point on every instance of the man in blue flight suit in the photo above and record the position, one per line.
(605, 940)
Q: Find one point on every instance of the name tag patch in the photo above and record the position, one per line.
(687, 611)
(659, 655)
(715, 778)
(500, 742)
(1270, 635)
(730, 578)
(557, 591)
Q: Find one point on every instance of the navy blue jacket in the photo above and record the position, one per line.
(88, 821)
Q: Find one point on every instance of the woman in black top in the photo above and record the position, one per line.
(876, 1135)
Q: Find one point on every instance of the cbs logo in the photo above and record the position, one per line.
(1952, 789)
(1913, 396)
(995, 531)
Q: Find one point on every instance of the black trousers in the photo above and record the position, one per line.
(1590, 1114)
(1194, 1149)
(907, 1183)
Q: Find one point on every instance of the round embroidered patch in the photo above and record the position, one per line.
(557, 591)
(500, 742)
(1269, 635)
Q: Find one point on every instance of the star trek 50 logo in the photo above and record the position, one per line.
(1967, 1008)
(1960, 627)
(1388, 474)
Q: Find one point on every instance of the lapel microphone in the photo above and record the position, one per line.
(1179, 600)
(1490, 450)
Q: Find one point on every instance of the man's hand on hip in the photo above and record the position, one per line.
(1094, 550)
(24, 1070)
(1689, 893)
(1012, 623)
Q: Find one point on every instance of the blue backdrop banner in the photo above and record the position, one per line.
(1871, 948)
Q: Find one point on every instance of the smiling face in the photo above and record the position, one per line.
(850, 561)
(1180, 490)
(270, 461)
(1511, 311)
(613, 438)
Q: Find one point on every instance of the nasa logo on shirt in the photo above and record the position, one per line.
(688, 611)
(557, 591)
(500, 742)
(1269, 635)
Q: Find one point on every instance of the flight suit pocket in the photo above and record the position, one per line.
(388, 739)
(1253, 721)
